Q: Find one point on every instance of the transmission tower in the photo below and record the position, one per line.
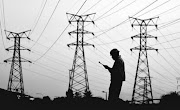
(142, 90)
(78, 78)
(15, 83)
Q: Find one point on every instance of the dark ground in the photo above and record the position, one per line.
(10, 100)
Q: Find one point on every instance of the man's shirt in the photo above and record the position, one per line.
(118, 71)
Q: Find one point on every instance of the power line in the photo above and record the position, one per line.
(59, 79)
(92, 6)
(118, 10)
(4, 15)
(44, 66)
(46, 25)
(148, 31)
(38, 17)
(45, 75)
(173, 49)
(169, 34)
(167, 10)
(78, 77)
(172, 66)
(55, 60)
(81, 6)
(52, 44)
(154, 70)
(93, 76)
(126, 71)
(170, 47)
(167, 25)
(125, 21)
(162, 67)
(15, 83)
(142, 89)
(109, 9)
(59, 35)
(73, 5)
(52, 69)
(171, 57)
(3, 20)
(52, 50)
(105, 7)
(116, 44)
(113, 42)
(162, 82)
(63, 65)
(111, 39)
(2, 35)
(160, 74)
(155, 8)
(166, 41)
(52, 59)
(140, 15)
(158, 89)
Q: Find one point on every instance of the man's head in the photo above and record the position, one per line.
(114, 53)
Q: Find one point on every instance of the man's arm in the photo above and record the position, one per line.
(107, 67)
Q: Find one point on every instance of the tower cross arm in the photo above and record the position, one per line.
(143, 35)
(72, 44)
(11, 34)
(78, 18)
(80, 32)
(12, 48)
(143, 22)
(25, 60)
(88, 44)
(11, 60)
(84, 44)
(8, 60)
(145, 48)
(151, 48)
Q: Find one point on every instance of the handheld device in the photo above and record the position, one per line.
(100, 63)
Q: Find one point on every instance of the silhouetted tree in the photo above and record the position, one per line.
(46, 99)
(69, 93)
(87, 94)
(169, 101)
(78, 95)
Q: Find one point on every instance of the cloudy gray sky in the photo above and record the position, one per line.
(52, 59)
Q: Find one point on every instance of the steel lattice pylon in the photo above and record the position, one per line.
(78, 78)
(15, 83)
(142, 90)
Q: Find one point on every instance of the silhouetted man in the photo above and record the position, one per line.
(117, 75)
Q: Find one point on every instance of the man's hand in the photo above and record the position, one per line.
(105, 66)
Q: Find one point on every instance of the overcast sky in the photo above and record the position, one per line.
(52, 59)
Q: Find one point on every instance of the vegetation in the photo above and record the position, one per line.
(77, 101)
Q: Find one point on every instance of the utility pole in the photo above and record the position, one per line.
(15, 83)
(78, 78)
(142, 90)
(178, 85)
(105, 94)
